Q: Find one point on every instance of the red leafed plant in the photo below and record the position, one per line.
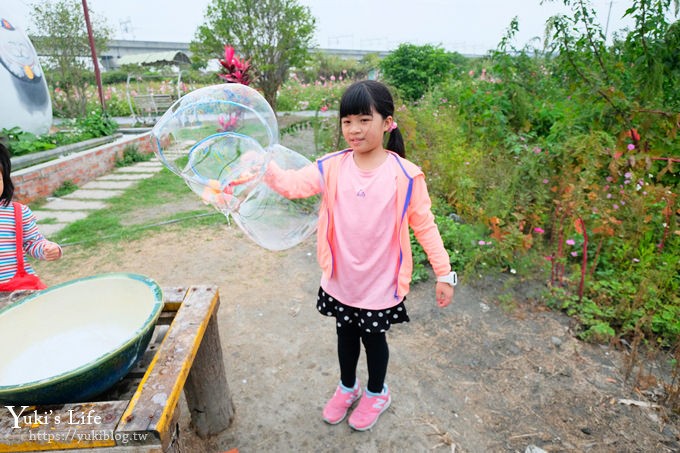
(235, 69)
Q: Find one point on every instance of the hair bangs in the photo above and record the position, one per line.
(357, 100)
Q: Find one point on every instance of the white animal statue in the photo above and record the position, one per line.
(24, 97)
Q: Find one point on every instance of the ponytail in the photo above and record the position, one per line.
(395, 142)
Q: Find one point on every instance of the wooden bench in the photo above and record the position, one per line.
(141, 413)
(149, 105)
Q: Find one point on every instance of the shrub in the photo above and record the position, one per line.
(413, 70)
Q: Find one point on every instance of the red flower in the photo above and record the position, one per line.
(235, 70)
(633, 134)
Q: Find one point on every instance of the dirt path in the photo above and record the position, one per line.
(474, 377)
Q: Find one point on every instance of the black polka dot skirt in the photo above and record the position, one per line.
(373, 321)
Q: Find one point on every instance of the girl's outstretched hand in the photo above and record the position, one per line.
(444, 294)
(52, 251)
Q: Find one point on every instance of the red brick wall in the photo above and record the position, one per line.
(40, 181)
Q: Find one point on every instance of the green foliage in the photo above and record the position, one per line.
(273, 34)
(66, 188)
(92, 126)
(414, 69)
(21, 142)
(95, 124)
(565, 162)
(460, 240)
(131, 155)
(58, 29)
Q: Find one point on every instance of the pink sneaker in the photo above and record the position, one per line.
(369, 409)
(337, 407)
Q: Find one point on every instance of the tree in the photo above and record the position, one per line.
(59, 31)
(273, 34)
(413, 70)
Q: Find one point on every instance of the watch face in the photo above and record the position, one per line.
(451, 279)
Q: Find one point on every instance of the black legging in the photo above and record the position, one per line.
(377, 356)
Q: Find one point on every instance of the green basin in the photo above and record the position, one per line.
(74, 340)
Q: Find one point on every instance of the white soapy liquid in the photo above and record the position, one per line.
(59, 353)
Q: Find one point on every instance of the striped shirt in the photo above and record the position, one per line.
(33, 245)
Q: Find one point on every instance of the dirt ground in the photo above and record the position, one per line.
(478, 376)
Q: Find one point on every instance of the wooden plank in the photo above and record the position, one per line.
(68, 426)
(123, 449)
(153, 406)
(173, 297)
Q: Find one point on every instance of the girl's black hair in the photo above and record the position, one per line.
(361, 96)
(6, 167)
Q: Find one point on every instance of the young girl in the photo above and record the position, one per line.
(33, 243)
(371, 196)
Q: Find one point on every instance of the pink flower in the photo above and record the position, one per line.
(481, 243)
(571, 242)
(574, 254)
(227, 124)
(324, 108)
(539, 230)
(631, 147)
(236, 71)
(545, 181)
(537, 150)
(228, 54)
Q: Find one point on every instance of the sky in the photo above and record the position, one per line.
(465, 26)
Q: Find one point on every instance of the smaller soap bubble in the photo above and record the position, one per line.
(224, 168)
(273, 221)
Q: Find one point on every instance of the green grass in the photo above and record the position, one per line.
(105, 224)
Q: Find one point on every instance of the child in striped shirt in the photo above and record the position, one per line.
(34, 243)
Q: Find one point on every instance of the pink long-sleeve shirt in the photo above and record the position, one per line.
(412, 209)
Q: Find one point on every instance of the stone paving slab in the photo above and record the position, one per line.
(73, 205)
(149, 164)
(108, 185)
(88, 194)
(60, 216)
(49, 229)
(125, 177)
(137, 170)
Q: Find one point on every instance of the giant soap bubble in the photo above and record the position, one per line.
(220, 139)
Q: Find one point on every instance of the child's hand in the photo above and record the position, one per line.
(444, 294)
(52, 251)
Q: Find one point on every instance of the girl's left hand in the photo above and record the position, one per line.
(444, 294)
(52, 251)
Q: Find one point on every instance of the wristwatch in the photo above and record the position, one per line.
(451, 279)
